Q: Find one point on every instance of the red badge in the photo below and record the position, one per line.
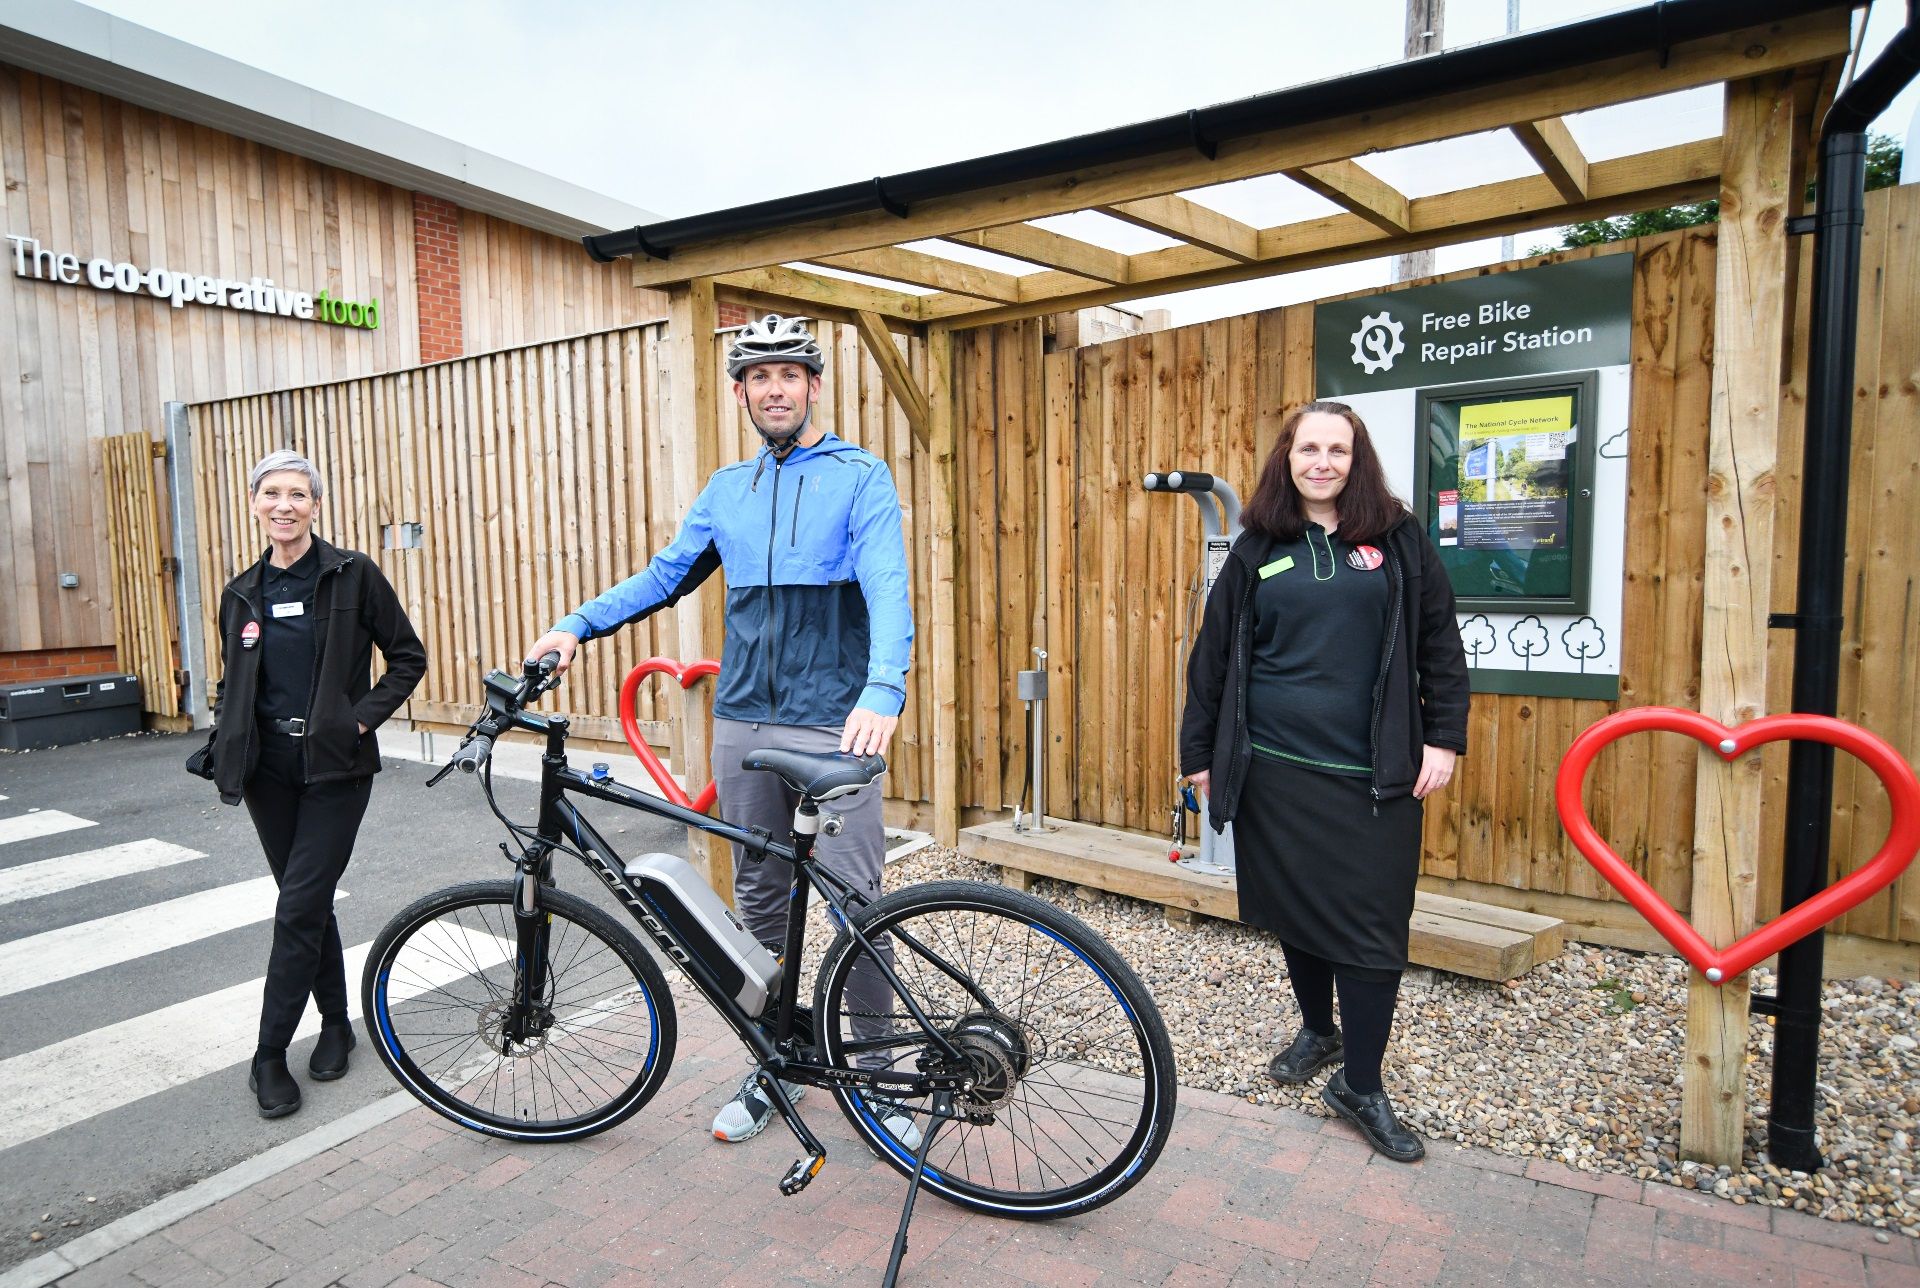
(1365, 558)
(249, 634)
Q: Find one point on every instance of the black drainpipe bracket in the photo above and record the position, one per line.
(1205, 146)
(897, 209)
(1805, 621)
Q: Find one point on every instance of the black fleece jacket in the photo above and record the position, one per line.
(355, 608)
(1420, 696)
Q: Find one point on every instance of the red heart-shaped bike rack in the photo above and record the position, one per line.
(688, 675)
(1722, 964)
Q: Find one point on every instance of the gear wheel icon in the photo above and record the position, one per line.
(1378, 342)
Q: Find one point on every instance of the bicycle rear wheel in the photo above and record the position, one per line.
(437, 990)
(1073, 1073)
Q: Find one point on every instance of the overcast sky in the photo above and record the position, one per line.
(685, 108)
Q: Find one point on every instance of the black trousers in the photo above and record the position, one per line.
(308, 834)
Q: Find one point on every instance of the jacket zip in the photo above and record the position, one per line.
(313, 686)
(246, 749)
(1386, 662)
(773, 527)
(793, 534)
(1245, 628)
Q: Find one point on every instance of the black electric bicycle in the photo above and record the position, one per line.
(986, 1044)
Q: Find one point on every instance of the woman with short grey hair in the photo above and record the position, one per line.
(293, 737)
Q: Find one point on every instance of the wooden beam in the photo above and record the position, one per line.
(693, 413)
(1687, 172)
(1176, 217)
(942, 638)
(1047, 249)
(1553, 149)
(1748, 52)
(1749, 324)
(1359, 190)
(894, 370)
(922, 269)
(807, 288)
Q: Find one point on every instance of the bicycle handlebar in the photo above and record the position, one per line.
(504, 702)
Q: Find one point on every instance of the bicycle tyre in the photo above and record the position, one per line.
(1032, 1116)
(432, 995)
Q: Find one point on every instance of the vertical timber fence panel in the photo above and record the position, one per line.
(1211, 396)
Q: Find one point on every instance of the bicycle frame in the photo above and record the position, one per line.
(561, 824)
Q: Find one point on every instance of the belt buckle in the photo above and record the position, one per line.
(296, 727)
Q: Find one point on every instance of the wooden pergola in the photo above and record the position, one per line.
(1780, 63)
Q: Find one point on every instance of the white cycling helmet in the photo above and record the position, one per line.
(774, 339)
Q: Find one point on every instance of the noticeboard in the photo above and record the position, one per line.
(1504, 482)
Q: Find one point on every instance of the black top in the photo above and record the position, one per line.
(1319, 619)
(286, 639)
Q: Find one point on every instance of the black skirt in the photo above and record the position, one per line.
(1320, 869)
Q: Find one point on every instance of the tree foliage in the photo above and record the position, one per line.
(1883, 171)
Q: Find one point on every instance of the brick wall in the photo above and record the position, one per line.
(733, 314)
(436, 260)
(56, 663)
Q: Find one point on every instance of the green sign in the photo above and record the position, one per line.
(1560, 317)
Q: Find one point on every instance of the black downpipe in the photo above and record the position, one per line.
(1820, 596)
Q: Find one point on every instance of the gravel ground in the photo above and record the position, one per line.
(1579, 1061)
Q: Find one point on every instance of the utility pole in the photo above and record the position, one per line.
(1424, 22)
(1513, 25)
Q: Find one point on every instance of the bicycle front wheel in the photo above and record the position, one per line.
(438, 994)
(1072, 1070)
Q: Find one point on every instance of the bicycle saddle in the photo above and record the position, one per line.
(821, 775)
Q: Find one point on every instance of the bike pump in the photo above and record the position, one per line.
(1032, 688)
(1219, 525)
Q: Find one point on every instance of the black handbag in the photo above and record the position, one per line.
(200, 763)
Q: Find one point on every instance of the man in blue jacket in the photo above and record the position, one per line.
(819, 634)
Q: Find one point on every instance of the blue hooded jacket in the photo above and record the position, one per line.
(818, 615)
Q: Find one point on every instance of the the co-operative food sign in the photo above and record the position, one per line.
(252, 295)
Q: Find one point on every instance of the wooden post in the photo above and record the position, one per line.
(946, 618)
(1750, 310)
(693, 386)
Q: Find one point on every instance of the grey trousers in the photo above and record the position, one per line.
(756, 798)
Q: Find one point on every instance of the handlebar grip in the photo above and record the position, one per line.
(1179, 481)
(543, 665)
(473, 753)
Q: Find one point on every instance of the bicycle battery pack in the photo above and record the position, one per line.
(692, 917)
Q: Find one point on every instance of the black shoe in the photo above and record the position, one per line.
(329, 1058)
(278, 1093)
(1374, 1117)
(1309, 1054)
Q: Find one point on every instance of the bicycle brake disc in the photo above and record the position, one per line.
(999, 1051)
(492, 1027)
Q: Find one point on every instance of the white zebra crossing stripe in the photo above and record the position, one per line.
(108, 941)
(45, 822)
(51, 876)
(95, 1072)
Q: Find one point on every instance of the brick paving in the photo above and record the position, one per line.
(1242, 1195)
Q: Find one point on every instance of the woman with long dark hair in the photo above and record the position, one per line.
(1326, 698)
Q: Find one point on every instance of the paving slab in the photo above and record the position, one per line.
(399, 1198)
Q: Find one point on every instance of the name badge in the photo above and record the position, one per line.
(295, 609)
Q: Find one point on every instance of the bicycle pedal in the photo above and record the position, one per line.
(802, 1172)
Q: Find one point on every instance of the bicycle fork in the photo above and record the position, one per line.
(532, 924)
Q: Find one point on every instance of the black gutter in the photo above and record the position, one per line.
(1820, 597)
(1653, 30)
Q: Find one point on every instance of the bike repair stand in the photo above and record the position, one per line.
(1219, 525)
(943, 1113)
(1032, 689)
